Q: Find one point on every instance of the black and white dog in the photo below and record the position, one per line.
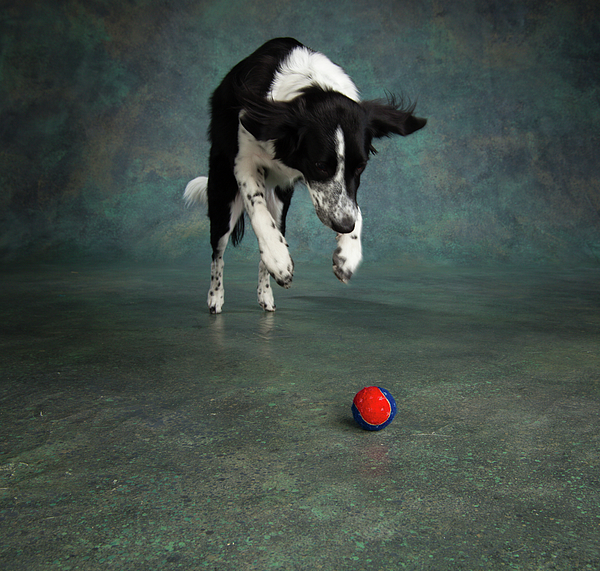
(286, 114)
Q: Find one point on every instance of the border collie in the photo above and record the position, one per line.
(283, 115)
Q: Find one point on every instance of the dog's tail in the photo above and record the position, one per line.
(195, 191)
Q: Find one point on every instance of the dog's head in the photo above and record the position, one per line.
(328, 138)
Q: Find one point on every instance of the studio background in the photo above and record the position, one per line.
(139, 432)
(104, 113)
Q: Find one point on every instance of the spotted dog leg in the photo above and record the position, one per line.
(348, 254)
(216, 292)
(278, 202)
(219, 240)
(272, 245)
(264, 290)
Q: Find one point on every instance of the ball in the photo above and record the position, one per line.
(373, 408)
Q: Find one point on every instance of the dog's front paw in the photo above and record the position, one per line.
(278, 261)
(347, 257)
(342, 267)
(340, 270)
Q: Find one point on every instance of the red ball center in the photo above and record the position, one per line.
(372, 405)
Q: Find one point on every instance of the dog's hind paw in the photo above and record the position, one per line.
(265, 297)
(267, 306)
(215, 301)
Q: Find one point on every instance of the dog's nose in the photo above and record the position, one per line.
(343, 226)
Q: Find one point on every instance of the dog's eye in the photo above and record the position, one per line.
(323, 168)
(359, 169)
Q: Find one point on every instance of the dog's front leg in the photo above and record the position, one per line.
(273, 248)
(348, 254)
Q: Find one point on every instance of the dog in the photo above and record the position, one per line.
(283, 115)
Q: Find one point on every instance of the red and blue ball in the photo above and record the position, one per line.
(373, 408)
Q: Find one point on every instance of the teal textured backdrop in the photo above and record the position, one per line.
(103, 118)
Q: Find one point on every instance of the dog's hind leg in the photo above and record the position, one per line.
(223, 218)
(216, 292)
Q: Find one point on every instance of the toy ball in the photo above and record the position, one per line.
(373, 408)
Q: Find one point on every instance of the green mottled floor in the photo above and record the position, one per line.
(139, 432)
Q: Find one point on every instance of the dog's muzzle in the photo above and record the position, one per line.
(343, 226)
(333, 207)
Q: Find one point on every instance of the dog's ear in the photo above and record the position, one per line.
(274, 121)
(391, 117)
(267, 120)
(264, 119)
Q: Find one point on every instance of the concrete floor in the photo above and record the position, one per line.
(139, 432)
